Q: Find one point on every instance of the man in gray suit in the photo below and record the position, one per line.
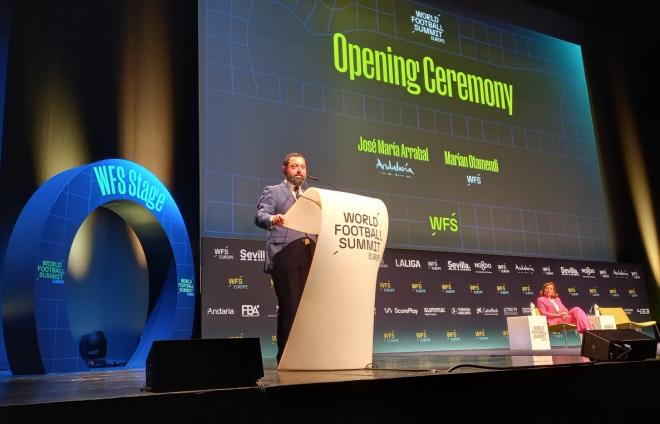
(288, 252)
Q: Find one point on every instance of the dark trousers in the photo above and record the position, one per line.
(290, 269)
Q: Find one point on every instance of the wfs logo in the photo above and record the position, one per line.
(443, 223)
(250, 311)
(394, 169)
(237, 283)
(258, 256)
(473, 179)
(222, 254)
(426, 23)
(390, 337)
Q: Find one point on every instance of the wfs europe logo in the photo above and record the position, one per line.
(426, 23)
(473, 179)
(222, 253)
(394, 169)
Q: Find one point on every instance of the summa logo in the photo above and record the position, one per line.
(475, 289)
(422, 336)
(417, 287)
(473, 179)
(407, 263)
(483, 267)
(222, 254)
(458, 266)
(588, 272)
(503, 269)
(434, 311)
(426, 23)
(603, 273)
(524, 269)
(237, 283)
(570, 271)
(547, 270)
(394, 169)
(390, 337)
(434, 266)
(386, 287)
(447, 288)
(487, 311)
(250, 311)
(620, 273)
(258, 256)
(501, 289)
(220, 311)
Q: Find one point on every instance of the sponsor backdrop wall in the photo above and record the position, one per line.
(425, 300)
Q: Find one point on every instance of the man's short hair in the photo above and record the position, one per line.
(288, 156)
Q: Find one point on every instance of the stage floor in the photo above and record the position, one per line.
(116, 383)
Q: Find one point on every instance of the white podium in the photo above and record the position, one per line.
(602, 322)
(528, 332)
(334, 324)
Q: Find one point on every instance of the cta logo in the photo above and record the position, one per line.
(428, 24)
(483, 267)
(447, 288)
(434, 266)
(407, 263)
(417, 287)
(570, 271)
(386, 287)
(524, 269)
(501, 289)
(503, 269)
(452, 336)
(222, 254)
(458, 266)
(510, 310)
(258, 256)
(474, 288)
(394, 169)
(250, 311)
(473, 179)
(588, 272)
(434, 311)
(443, 224)
(480, 334)
(422, 336)
(390, 337)
(220, 311)
(237, 283)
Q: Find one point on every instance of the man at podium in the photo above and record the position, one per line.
(288, 252)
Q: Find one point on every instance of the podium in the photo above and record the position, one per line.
(528, 332)
(334, 324)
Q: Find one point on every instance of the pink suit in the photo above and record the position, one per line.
(575, 315)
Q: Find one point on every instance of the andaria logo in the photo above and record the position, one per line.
(487, 311)
(220, 311)
(433, 265)
(503, 269)
(524, 269)
(483, 267)
(433, 311)
(588, 272)
(222, 253)
(570, 271)
(620, 273)
(394, 169)
(248, 256)
(458, 266)
(407, 263)
(547, 270)
(250, 311)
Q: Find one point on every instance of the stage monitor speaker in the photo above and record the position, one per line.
(174, 365)
(618, 345)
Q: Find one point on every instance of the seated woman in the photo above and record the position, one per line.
(550, 305)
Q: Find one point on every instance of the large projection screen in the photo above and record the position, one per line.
(476, 134)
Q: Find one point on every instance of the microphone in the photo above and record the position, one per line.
(322, 181)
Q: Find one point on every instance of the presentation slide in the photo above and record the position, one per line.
(476, 134)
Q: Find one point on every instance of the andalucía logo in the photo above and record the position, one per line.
(395, 169)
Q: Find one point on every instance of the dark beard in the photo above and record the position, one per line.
(296, 180)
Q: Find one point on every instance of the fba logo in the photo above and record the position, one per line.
(250, 311)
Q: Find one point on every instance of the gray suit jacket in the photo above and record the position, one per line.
(276, 199)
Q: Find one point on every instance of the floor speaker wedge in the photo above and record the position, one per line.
(618, 345)
(174, 365)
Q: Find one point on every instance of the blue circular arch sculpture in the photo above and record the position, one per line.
(37, 333)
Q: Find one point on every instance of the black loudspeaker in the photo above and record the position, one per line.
(618, 345)
(174, 365)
